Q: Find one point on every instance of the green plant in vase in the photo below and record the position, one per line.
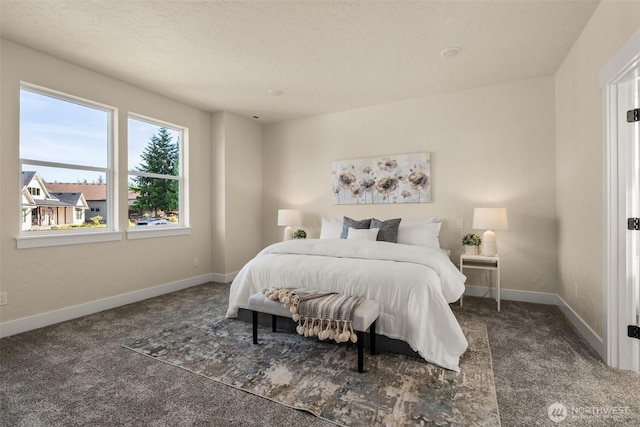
(471, 243)
(300, 234)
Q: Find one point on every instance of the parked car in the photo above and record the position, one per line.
(153, 222)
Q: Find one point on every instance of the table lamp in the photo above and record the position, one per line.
(489, 219)
(289, 217)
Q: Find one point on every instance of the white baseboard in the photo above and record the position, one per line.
(513, 295)
(585, 330)
(223, 277)
(29, 323)
(544, 298)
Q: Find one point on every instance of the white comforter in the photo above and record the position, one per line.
(412, 284)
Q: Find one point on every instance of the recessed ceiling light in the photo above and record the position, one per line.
(450, 51)
(275, 92)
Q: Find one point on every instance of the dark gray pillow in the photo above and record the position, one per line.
(388, 229)
(348, 222)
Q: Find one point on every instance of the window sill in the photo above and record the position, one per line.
(149, 233)
(43, 241)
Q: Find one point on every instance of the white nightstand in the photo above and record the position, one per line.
(480, 262)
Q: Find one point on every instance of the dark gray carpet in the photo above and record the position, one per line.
(76, 373)
(539, 359)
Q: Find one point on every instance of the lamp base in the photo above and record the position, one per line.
(288, 233)
(489, 247)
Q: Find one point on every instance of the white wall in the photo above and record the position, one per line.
(45, 279)
(579, 157)
(237, 195)
(493, 146)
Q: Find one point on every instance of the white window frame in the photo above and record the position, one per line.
(183, 227)
(81, 235)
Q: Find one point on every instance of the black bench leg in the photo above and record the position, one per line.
(274, 318)
(372, 338)
(255, 326)
(360, 352)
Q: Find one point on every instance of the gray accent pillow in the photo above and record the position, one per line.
(388, 229)
(348, 222)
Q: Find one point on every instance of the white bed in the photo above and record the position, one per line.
(413, 284)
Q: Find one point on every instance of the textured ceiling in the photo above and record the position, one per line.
(325, 56)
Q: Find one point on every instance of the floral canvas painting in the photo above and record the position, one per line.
(402, 178)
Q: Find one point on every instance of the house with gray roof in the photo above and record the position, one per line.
(42, 209)
(95, 195)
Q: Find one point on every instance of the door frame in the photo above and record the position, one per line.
(619, 352)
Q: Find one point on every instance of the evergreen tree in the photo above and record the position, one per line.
(160, 157)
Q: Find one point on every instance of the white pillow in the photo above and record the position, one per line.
(419, 221)
(331, 228)
(420, 233)
(363, 234)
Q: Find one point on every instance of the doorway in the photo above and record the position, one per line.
(620, 83)
(629, 135)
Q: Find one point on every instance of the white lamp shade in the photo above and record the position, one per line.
(289, 217)
(490, 219)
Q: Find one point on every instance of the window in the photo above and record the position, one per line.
(68, 153)
(65, 143)
(156, 164)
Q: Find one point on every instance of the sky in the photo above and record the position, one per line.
(59, 131)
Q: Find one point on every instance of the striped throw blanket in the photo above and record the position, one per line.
(327, 315)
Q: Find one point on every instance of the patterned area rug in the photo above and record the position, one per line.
(322, 378)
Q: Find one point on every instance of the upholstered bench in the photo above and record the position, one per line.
(364, 317)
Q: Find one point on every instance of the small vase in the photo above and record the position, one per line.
(470, 250)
